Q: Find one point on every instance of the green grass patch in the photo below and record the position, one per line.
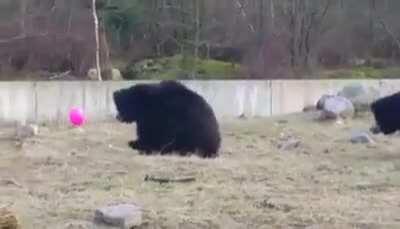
(180, 67)
(362, 73)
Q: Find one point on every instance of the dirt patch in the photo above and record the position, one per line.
(58, 178)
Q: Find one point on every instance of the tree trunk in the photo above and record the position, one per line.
(69, 23)
(197, 28)
(96, 34)
(22, 8)
(104, 50)
(242, 12)
(272, 14)
(261, 26)
(341, 5)
(371, 13)
(197, 37)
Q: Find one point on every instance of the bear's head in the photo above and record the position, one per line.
(131, 102)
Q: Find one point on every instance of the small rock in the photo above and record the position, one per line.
(242, 116)
(309, 108)
(121, 215)
(282, 121)
(324, 167)
(372, 146)
(290, 144)
(375, 130)
(112, 74)
(77, 225)
(339, 122)
(92, 74)
(26, 131)
(361, 137)
(116, 74)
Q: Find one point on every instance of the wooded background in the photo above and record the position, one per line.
(201, 38)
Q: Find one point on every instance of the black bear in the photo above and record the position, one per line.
(170, 118)
(386, 111)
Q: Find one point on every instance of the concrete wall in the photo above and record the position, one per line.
(50, 101)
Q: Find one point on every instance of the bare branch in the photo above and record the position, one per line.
(240, 7)
(169, 180)
(325, 11)
(389, 31)
(21, 37)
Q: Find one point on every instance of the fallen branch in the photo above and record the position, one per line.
(21, 37)
(61, 75)
(6, 182)
(169, 180)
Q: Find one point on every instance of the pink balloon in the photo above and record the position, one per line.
(76, 117)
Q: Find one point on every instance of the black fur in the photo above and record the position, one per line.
(169, 118)
(386, 111)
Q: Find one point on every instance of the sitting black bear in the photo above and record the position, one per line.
(386, 111)
(170, 118)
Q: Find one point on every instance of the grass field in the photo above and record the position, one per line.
(58, 178)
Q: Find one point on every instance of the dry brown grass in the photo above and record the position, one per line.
(61, 176)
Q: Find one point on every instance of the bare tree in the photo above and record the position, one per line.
(304, 23)
(272, 14)
(22, 7)
(390, 33)
(243, 13)
(196, 36)
(96, 32)
(197, 28)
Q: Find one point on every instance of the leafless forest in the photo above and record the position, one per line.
(47, 39)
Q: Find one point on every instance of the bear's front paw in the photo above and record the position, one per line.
(134, 145)
(144, 152)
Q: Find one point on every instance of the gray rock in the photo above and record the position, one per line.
(78, 225)
(24, 131)
(289, 144)
(335, 107)
(352, 90)
(92, 74)
(357, 61)
(360, 95)
(361, 137)
(115, 74)
(121, 215)
(321, 101)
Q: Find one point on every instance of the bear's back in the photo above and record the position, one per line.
(184, 104)
(175, 95)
